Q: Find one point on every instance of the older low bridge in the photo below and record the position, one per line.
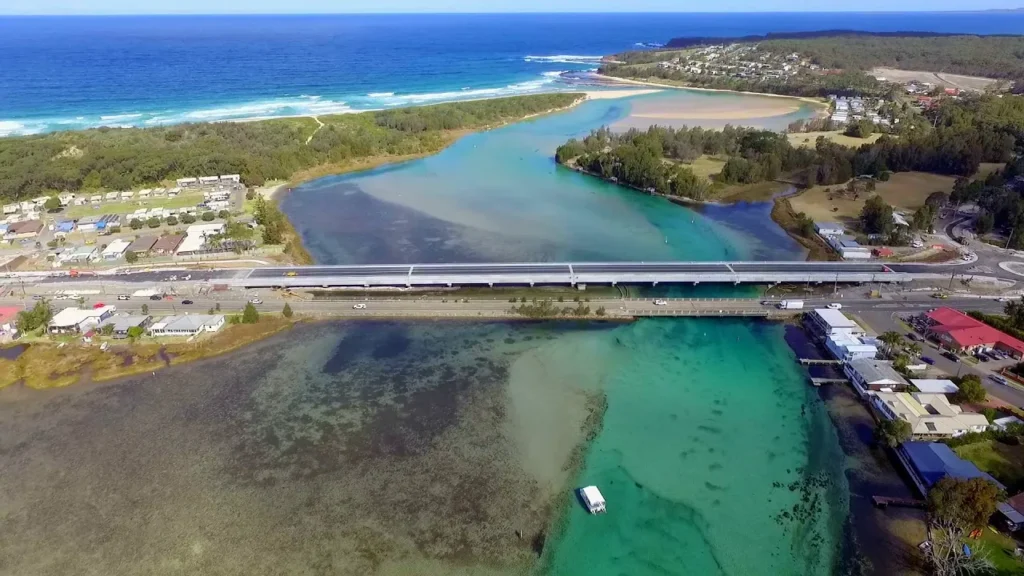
(571, 274)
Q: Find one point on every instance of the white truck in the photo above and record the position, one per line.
(146, 293)
(791, 305)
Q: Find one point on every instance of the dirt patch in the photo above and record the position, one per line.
(808, 139)
(975, 83)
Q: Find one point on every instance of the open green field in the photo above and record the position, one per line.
(904, 191)
(1003, 461)
(999, 549)
(706, 166)
(179, 201)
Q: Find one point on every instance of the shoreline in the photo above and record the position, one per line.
(805, 99)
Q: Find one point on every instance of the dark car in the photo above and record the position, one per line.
(927, 360)
(951, 356)
(186, 301)
(154, 297)
(913, 337)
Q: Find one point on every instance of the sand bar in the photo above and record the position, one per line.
(611, 94)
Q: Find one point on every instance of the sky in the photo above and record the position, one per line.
(63, 7)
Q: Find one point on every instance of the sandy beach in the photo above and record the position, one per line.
(613, 94)
(614, 79)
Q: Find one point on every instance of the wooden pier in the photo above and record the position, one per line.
(885, 501)
(819, 381)
(819, 362)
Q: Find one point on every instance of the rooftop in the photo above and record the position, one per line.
(835, 318)
(935, 386)
(967, 331)
(934, 460)
(877, 371)
(930, 413)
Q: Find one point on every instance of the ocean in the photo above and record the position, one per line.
(63, 73)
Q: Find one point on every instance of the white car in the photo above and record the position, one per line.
(359, 306)
(661, 303)
(255, 301)
(835, 306)
(124, 297)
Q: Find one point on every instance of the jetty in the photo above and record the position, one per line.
(816, 382)
(885, 502)
(819, 362)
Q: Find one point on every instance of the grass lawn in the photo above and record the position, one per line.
(706, 166)
(808, 139)
(999, 549)
(179, 201)
(1003, 461)
(904, 191)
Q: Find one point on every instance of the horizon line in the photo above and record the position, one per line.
(467, 13)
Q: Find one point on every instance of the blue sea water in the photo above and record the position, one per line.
(61, 73)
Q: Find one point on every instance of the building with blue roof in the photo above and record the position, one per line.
(65, 226)
(929, 462)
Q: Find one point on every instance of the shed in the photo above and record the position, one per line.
(1011, 512)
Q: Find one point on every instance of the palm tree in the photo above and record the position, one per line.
(913, 348)
(891, 339)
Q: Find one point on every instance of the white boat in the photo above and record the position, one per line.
(592, 499)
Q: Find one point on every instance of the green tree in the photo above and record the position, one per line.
(134, 332)
(52, 204)
(131, 257)
(135, 224)
(966, 504)
(860, 129)
(876, 216)
(145, 309)
(984, 223)
(188, 219)
(223, 214)
(1014, 311)
(250, 315)
(892, 341)
(107, 329)
(287, 311)
(172, 221)
(208, 216)
(153, 222)
(37, 317)
(892, 433)
(970, 390)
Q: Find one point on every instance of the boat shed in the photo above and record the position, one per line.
(929, 462)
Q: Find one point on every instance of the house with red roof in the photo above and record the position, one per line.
(958, 331)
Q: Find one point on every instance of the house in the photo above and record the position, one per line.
(1011, 513)
(81, 201)
(109, 196)
(869, 376)
(95, 198)
(187, 325)
(144, 193)
(929, 462)
(187, 182)
(957, 331)
(208, 180)
(65, 198)
(167, 244)
(929, 415)
(900, 220)
(89, 223)
(10, 208)
(115, 249)
(142, 245)
(24, 229)
(829, 228)
(80, 254)
(231, 178)
(79, 319)
(848, 247)
(196, 237)
(64, 227)
(935, 386)
(847, 347)
(123, 323)
(825, 323)
(1002, 423)
(127, 195)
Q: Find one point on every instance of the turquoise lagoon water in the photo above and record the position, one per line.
(499, 196)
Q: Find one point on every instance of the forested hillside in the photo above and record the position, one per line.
(126, 158)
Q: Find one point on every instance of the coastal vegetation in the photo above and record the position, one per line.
(824, 62)
(126, 158)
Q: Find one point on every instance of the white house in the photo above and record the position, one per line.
(232, 178)
(111, 196)
(187, 325)
(115, 249)
(10, 208)
(826, 323)
(79, 319)
(871, 376)
(929, 414)
(829, 228)
(187, 182)
(847, 347)
(935, 386)
(127, 195)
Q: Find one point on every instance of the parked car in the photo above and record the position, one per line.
(998, 379)
(951, 356)
(124, 297)
(155, 297)
(255, 301)
(835, 306)
(913, 337)
(186, 302)
(927, 360)
(359, 306)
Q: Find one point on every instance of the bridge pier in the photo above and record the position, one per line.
(531, 284)
(491, 284)
(449, 284)
(655, 283)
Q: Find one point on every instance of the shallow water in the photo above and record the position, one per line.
(499, 196)
(431, 448)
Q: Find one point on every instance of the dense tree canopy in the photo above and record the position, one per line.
(966, 504)
(126, 158)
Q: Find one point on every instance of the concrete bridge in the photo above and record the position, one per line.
(571, 274)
